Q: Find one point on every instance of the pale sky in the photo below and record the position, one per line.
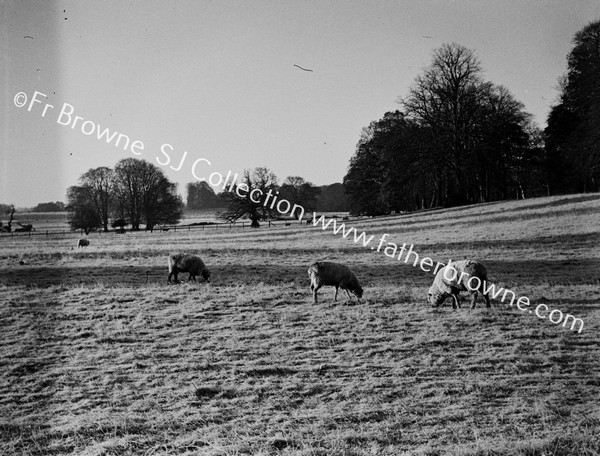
(217, 78)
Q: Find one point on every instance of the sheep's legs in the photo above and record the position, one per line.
(336, 292)
(174, 275)
(487, 301)
(473, 300)
(315, 290)
(349, 297)
(455, 302)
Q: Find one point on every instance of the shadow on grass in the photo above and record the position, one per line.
(387, 271)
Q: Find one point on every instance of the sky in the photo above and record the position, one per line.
(217, 79)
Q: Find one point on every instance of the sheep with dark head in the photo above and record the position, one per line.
(83, 243)
(183, 262)
(457, 276)
(333, 274)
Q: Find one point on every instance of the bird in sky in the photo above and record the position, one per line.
(304, 69)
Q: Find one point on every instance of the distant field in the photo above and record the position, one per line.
(96, 361)
(41, 221)
(57, 221)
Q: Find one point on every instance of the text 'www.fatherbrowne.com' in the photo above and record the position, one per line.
(392, 250)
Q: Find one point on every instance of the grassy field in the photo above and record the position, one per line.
(99, 356)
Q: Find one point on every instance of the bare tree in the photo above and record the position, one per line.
(100, 183)
(256, 187)
(145, 194)
(8, 227)
(447, 98)
(82, 213)
(460, 140)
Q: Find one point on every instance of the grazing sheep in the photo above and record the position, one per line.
(183, 262)
(83, 243)
(335, 274)
(465, 275)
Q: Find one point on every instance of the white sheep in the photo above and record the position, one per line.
(464, 275)
(333, 274)
(83, 243)
(183, 262)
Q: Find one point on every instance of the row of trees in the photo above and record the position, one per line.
(459, 139)
(57, 206)
(137, 192)
(325, 198)
(134, 192)
(294, 189)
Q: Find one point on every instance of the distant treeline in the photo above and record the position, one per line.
(324, 198)
(56, 206)
(5, 208)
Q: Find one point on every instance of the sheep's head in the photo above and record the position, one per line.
(206, 275)
(434, 297)
(358, 291)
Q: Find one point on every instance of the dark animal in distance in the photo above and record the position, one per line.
(24, 228)
(83, 243)
(338, 275)
(183, 262)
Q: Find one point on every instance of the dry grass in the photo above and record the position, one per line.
(95, 361)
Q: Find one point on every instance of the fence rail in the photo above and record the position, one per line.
(162, 228)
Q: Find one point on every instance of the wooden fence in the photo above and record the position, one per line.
(165, 228)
